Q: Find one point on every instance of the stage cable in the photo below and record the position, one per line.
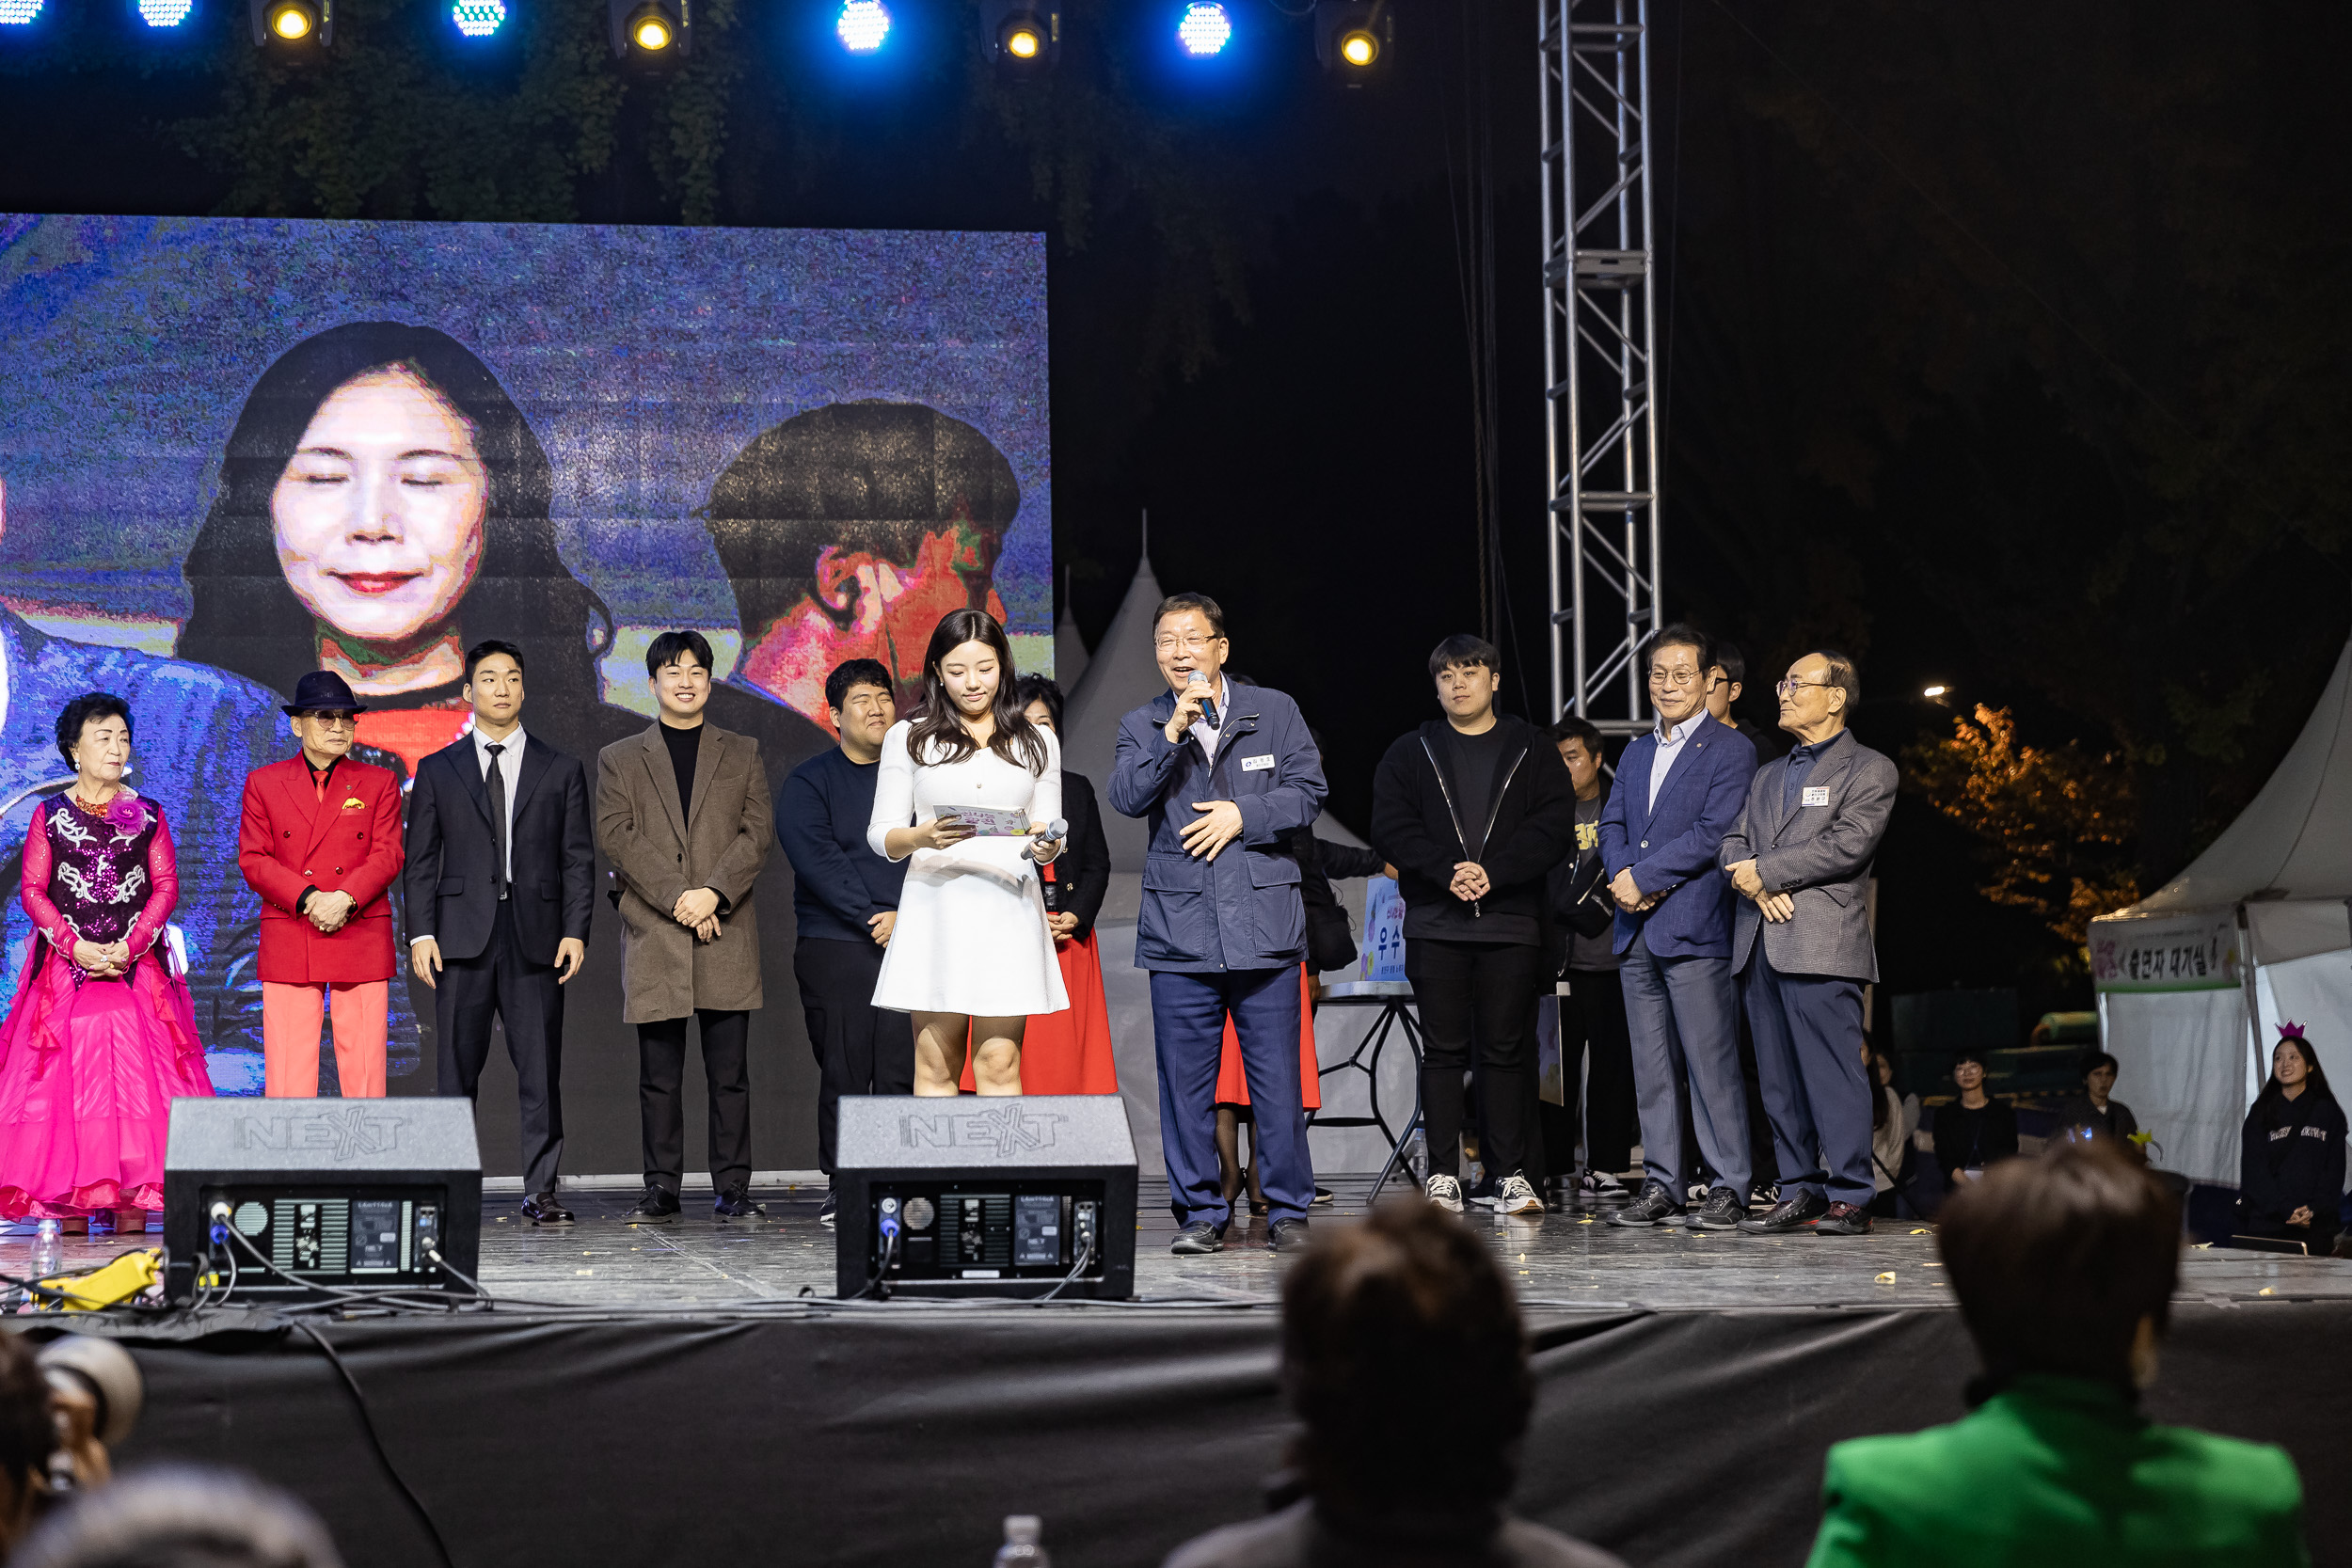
(375, 1439)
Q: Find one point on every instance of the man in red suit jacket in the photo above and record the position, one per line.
(321, 843)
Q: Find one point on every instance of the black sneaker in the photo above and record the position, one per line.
(1843, 1219)
(1655, 1205)
(1198, 1238)
(1287, 1236)
(827, 1210)
(1794, 1212)
(659, 1206)
(736, 1204)
(1723, 1210)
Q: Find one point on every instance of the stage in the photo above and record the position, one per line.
(689, 1392)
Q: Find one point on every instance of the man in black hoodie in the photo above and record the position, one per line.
(1474, 810)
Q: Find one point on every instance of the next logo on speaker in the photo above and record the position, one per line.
(339, 1134)
(1006, 1133)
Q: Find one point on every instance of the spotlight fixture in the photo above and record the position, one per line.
(292, 23)
(863, 26)
(642, 30)
(478, 18)
(163, 13)
(1204, 29)
(19, 13)
(1020, 36)
(1354, 39)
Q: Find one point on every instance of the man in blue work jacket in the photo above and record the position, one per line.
(1222, 771)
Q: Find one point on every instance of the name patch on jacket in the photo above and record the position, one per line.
(1257, 765)
(1815, 795)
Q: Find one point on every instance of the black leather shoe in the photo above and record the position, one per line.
(1723, 1210)
(657, 1206)
(1791, 1213)
(542, 1208)
(1655, 1205)
(829, 1210)
(736, 1204)
(1287, 1236)
(1198, 1238)
(1843, 1219)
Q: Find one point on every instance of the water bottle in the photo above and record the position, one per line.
(48, 1251)
(1021, 1550)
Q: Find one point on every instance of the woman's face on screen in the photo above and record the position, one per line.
(379, 515)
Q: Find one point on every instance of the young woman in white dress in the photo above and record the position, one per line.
(971, 956)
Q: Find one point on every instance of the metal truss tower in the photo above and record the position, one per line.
(1600, 364)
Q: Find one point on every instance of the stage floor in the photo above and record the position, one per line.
(1558, 1259)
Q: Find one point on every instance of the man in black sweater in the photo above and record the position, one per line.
(845, 900)
(1474, 810)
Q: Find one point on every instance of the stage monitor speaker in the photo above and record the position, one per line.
(1019, 1196)
(351, 1193)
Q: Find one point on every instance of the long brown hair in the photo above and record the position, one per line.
(939, 737)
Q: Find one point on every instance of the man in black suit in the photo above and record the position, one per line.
(500, 879)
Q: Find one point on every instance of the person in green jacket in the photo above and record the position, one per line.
(2064, 1267)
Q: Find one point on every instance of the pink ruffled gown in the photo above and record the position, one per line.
(89, 1068)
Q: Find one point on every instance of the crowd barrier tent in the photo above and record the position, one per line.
(2194, 978)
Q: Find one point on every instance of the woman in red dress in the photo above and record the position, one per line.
(1070, 1052)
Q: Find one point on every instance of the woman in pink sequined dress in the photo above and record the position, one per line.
(100, 1037)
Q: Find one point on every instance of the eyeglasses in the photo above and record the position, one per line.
(1681, 679)
(333, 721)
(1787, 687)
(1191, 643)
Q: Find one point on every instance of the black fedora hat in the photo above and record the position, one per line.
(323, 691)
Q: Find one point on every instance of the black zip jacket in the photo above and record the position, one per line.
(1531, 828)
(2293, 1158)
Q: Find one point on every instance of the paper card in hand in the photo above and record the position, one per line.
(988, 822)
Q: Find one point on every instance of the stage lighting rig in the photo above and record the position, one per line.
(1355, 38)
(863, 26)
(1204, 29)
(291, 23)
(1021, 38)
(478, 18)
(19, 13)
(651, 30)
(163, 13)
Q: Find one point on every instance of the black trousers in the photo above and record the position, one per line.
(727, 1073)
(1592, 1020)
(1481, 992)
(500, 983)
(859, 1049)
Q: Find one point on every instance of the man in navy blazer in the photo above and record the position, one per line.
(501, 887)
(1679, 790)
(1224, 772)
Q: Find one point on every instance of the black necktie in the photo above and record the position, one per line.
(496, 783)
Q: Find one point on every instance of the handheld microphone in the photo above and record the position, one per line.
(1208, 704)
(1056, 831)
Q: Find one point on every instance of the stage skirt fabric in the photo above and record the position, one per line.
(1069, 1052)
(1232, 1085)
(87, 1075)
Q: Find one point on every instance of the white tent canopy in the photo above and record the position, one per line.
(1122, 676)
(2194, 978)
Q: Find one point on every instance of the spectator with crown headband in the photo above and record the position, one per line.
(2291, 1168)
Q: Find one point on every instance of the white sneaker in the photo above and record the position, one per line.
(1446, 1192)
(1517, 1195)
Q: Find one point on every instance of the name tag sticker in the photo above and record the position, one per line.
(1814, 796)
(1256, 764)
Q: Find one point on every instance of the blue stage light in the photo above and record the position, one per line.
(863, 25)
(478, 18)
(17, 13)
(1205, 29)
(165, 13)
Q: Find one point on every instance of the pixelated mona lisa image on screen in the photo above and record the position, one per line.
(234, 451)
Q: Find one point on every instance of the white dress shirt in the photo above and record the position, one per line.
(1206, 733)
(1670, 741)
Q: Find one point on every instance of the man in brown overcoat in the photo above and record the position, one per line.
(683, 814)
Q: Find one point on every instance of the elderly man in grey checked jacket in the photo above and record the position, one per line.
(1800, 858)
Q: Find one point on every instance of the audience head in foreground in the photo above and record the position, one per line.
(180, 1516)
(1391, 1330)
(2063, 1268)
